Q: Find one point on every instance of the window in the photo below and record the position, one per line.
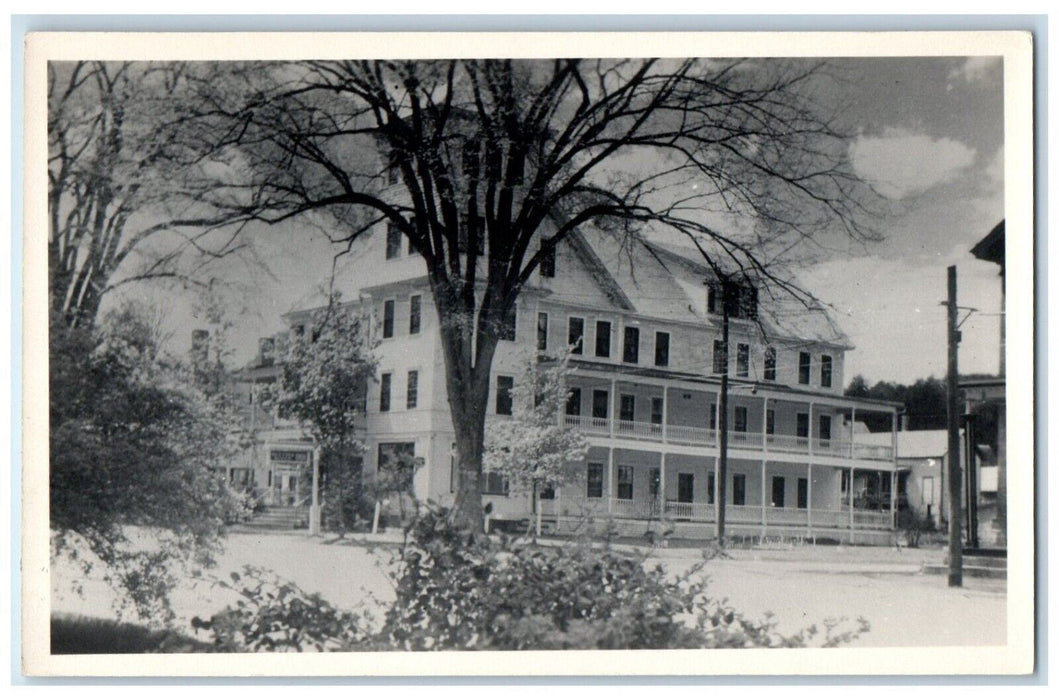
(627, 407)
(631, 353)
(845, 480)
(770, 422)
(825, 427)
(655, 481)
(625, 483)
(803, 492)
(770, 364)
(661, 349)
(384, 392)
(719, 357)
(504, 387)
(594, 485)
(742, 360)
(739, 489)
(779, 492)
(398, 458)
(547, 263)
(803, 425)
(267, 348)
(393, 241)
(575, 334)
(494, 484)
(825, 370)
(740, 419)
(413, 389)
(602, 338)
(657, 409)
(805, 367)
(387, 318)
(507, 330)
(415, 313)
(600, 400)
(713, 416)
(711, 300)
(542, 331)
(573, 402)
(711, 485)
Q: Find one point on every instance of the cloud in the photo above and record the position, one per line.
(975, 68)
(901, 164)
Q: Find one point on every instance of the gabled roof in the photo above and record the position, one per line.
(991, 248)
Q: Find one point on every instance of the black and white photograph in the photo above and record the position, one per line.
(528, 343)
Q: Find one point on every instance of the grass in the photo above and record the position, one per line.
(77, 634)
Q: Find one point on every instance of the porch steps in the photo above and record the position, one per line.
(994, 566)
(278, 518)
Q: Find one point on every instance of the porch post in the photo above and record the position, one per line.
(610, 481)
(811, 429)
(662, 488)
(851, 504)
(809, 502)
(613, 414)
(665, 412)
(852, 431)
(764, 503)
(764, 424)
(893, 499)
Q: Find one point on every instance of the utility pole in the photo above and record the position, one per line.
(953, 457)
(722, 410)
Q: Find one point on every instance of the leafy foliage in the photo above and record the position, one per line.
(532, 449)
(275, 615)
(134, 443)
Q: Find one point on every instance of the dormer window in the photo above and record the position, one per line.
(393, 241)
(547, 263)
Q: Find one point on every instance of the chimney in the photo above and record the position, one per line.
(904, 423)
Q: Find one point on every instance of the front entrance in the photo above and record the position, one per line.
(778, 491)
(685, 488)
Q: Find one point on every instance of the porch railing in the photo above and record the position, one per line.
(707, 437)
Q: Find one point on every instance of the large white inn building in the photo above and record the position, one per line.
(645, 324)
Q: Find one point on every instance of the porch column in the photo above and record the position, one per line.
(852, 431)
(893, 499)
(665, 413)
(765, 424)
(809, 502)
(610, 481)
(764, 502)
(662, 487)
(612, 416)
(811, 429)
(851, 504)
(716, 417)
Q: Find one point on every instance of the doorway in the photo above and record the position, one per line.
(779, 487)
(685, 488)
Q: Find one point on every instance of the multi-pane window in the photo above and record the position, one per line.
(711, 485)
(507, 329)
(742, 360)
(625, 478)
(600, 401)
(825, 370)
(739, 489)
(627, 407)
(770, 421)
(602, 338)
(825, 428)
(494, 484)
(573, 402)
(740, 419)
(720, 359)
(393, 241)
(542, 331)
(803, 492)
(575, 334)
(713, 416)
(387, 318)
(412, 394)
(805, 367)
(802, 425)
(384, 391)
(547, 264)
(770, 364)
(504, 388)
(594, 480)
(631, 352)
(657, 408)
(661, 349)
(415, 314)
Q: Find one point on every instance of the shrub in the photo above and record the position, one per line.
(914, 525)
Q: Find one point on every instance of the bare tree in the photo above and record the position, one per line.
(125, 197)
(486, 166)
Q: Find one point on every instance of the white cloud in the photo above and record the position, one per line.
(900, 163)
(974, 68)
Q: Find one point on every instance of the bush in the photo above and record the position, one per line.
(89, 635)
(465, 591)
(914, 525)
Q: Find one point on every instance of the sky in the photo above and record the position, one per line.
(928, 137)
